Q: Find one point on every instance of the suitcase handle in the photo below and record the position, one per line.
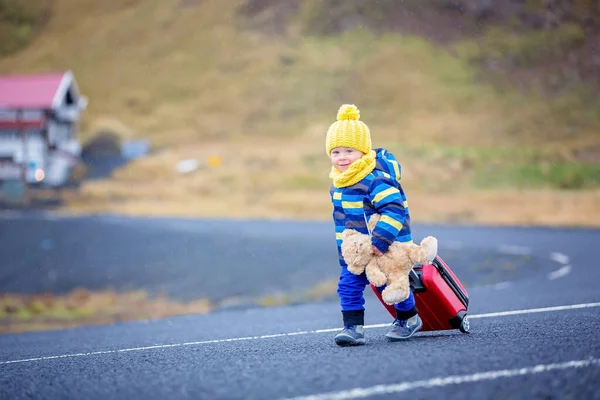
(451, 282)
(415, 281)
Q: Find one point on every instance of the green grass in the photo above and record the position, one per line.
(498, 167)
(561, 175)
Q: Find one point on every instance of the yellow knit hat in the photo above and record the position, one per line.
(348, 131)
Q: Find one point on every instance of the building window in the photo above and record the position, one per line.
(69, 98)
(9, 134)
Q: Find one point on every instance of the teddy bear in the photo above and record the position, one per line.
(393, 267)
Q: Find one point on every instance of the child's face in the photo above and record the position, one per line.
(342, 157)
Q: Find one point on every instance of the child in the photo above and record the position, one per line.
(361, 187)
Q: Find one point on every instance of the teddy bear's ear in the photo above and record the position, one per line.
(348, 232)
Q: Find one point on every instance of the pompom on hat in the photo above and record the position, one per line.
(348, 131)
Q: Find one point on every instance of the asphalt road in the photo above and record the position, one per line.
(535, 316)
(190, 259)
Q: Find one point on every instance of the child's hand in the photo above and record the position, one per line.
(376, 251)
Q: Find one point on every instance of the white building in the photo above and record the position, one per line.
(39, 127)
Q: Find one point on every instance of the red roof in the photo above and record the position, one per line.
(29, 91)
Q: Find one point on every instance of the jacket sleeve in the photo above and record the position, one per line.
(390, 204)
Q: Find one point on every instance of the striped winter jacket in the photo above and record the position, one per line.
(379, 192)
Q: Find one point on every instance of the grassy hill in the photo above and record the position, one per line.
(490, 116)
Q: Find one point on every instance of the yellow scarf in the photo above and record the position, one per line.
(355, 172)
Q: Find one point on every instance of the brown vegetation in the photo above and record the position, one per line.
(19, 313)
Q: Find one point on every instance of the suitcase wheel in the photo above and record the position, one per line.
(465, 326)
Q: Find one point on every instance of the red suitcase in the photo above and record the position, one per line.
(441, 299)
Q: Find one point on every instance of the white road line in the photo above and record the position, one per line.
(450, 380)
(165, 346)
(534, 310)
(514, 250)
(559, 273)
(559, 258)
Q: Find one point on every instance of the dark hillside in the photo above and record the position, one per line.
(20, 21)
(552, 45)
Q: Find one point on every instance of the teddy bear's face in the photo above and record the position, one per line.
(356, 248)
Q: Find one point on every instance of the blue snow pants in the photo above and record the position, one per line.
(351, 288)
